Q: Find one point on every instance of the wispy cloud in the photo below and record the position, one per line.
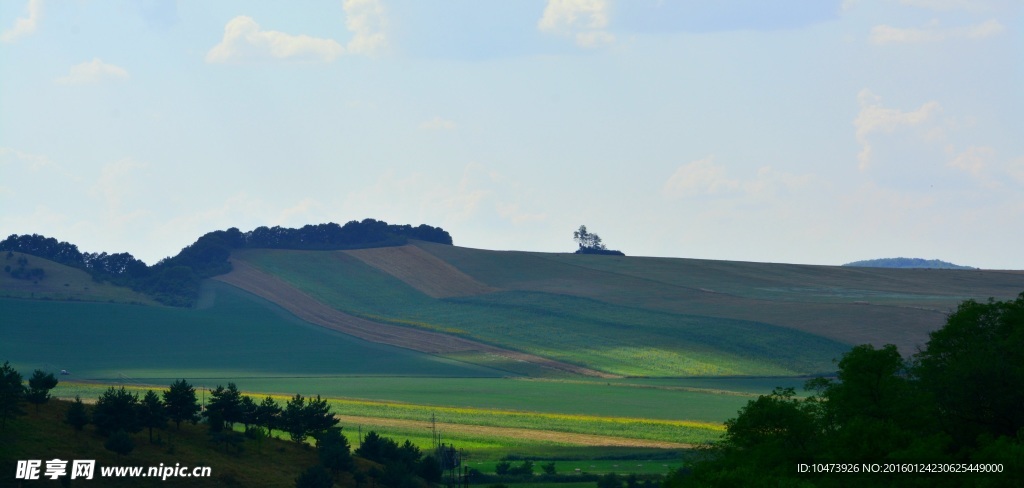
(24, 25)
(366, 20)
(934, 32)
(584, 20)
(243, 39)
(707, 177)
(874, 117)
(92, 72)
(437, 123)
(968, 5)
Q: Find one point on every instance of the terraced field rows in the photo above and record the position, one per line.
(251, 279)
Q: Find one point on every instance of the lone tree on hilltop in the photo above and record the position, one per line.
(590, 243)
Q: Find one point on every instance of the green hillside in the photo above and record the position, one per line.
(60, 282)
(848, 305)
(232, 335)
(614, 338)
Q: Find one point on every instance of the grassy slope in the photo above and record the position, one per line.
(62, 283)
(236, 336)
(614, 338)
(850, 305)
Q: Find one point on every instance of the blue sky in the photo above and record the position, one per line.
(794, 131)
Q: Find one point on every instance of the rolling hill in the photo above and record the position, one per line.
(633, 316)
(472, 312)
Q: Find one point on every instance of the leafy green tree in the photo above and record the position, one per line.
(12, 393)
(974, 367)
(181, 404)
(502, 468)
(116, 410)
(152, 413)
(120, 442)
(77, 416)
(39, 386)
(548, 468)
(587, 240)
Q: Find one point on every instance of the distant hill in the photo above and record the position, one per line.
(906, 263)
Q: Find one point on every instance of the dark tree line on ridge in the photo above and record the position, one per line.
(175, 280)
(957, 403)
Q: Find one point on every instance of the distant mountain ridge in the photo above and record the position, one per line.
(906, 263)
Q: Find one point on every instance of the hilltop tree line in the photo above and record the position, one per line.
(175, 280)
(119, 413)
(960, 400)
(590, 243)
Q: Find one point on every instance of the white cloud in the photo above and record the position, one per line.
(973, 160)
(968, 5)
(874, 117)
(243, 39)
(24, 25)
(437, 123)
(1016, 169)
(706, 177)
(934, 32)
(584, 20)
(699, 177)
(92, 72)
(366, 20)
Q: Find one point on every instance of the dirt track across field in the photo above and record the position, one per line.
(422, 271)
(514, 433)
(248, 278)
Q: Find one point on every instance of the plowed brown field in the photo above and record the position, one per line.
(422, 271)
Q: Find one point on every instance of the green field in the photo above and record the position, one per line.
(237, 336)
(613, 338)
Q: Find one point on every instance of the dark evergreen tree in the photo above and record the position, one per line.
(116, 410)
(318, 418)
(334, 451)
(77, 416)
(152, 413)
(268, 415)
(248, 410)
(39, 386)
(181, 404)
(293, 419)
(225, 405)
(12, 393)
